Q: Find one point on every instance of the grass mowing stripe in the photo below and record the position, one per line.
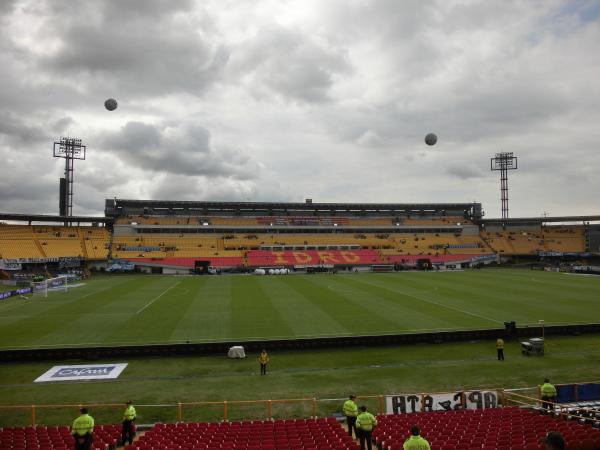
(353, 309)
(250, 307)
(157, 297)
(208, 316)
(302, 315)
(422, 298)
(253, 311)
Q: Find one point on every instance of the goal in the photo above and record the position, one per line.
(51, 284)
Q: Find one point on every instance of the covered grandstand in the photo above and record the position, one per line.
(244, 235)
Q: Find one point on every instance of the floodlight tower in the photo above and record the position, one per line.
(70, 149)
(504, 162)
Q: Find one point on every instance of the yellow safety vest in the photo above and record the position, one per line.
(416, 443)
(129, 413)
(83, 425)
(366, 421)
(350, 409)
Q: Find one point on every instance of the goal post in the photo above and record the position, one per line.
(50, 284)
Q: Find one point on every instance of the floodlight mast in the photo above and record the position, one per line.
(504, 162)
(70, 149)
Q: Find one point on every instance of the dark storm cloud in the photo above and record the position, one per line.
(16, 131)
(290, 64)
(323, 95)
(133, 47)
(181, 149)
(465, 171)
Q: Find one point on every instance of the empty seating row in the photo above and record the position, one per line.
(54, 438)
(319, 434)
(509, 428)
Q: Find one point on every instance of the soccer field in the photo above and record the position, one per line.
(160, 309)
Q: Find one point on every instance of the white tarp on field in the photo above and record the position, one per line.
(82, 372)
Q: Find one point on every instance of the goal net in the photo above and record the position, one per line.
(51, 284)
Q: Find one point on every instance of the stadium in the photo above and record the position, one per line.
(277, 225)
(320, 285)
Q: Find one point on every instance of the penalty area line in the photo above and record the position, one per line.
(452, 308)
(157, 297)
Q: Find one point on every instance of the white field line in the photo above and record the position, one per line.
(158, 296)
(240, 340)
(31, 316)
(243, 339)
(438, 304)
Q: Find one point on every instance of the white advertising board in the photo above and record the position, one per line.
(82, 372)
(412, 403)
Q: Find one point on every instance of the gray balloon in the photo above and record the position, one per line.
(430, 139)
(110, 104)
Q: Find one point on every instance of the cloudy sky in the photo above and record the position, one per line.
(286, 100)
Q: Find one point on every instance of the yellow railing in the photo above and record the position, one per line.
(227, 410)
(513, 398)
(263, 409)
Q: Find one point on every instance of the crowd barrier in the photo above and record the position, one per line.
(213, 411)
(212, 348)
(232, 410)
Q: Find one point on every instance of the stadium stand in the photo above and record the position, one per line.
(508, 428)
(55, 438)
(547, 239)
(292, 434)
(25, 241)
(229, 234)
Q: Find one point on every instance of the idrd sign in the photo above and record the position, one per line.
(411, 403)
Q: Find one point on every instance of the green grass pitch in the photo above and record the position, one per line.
(160, 309)
(140, 309)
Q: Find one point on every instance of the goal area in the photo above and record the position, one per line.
(50, 284)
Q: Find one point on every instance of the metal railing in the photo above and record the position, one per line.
(234, 410)
(224, 410)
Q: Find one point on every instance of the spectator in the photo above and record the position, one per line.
(500, 348)
(351, 411)
(82, 430)
(554, 441)
(548, 395)
(128, 432)
(415, 441)
(365, 424)
(263, 359)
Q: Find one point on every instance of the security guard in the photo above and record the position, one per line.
(548, 395)
(351, 411)
(365, 423)
(128, 432)
(82, 430)
(415, 441)
(263, 359)
(500, 348)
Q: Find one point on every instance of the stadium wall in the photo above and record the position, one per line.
(221, 348)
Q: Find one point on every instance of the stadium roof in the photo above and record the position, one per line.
(116, 207)
(524, 220)
(52, 219)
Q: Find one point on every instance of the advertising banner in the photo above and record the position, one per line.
(82, 372)
(412, 403)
